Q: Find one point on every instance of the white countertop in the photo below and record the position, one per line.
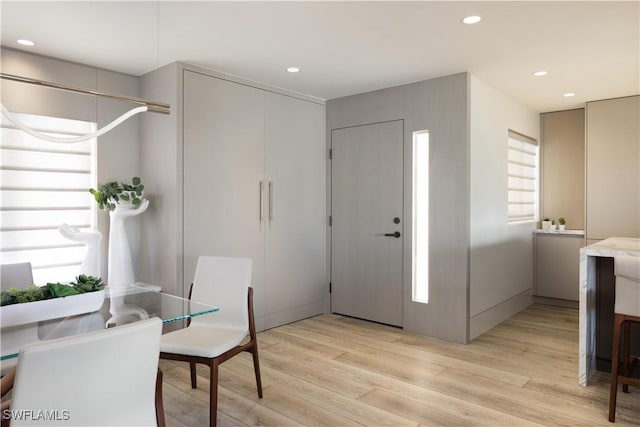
(560, 232)
(614, 246)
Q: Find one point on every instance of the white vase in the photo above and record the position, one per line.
(561, 226)
(120, 264)
(546, 225)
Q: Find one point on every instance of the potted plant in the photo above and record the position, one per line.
(553, 225)
(546, 224)
(112, 193)
(561, 223)
(53, 300)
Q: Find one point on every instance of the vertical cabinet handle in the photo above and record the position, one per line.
(270, 201)
(260, 202)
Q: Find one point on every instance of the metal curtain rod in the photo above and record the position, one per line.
(156, 107)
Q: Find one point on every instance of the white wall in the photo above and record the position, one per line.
(501, 255)
(117, 150)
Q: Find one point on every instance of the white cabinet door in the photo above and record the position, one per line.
(223, 167)
(295, 217)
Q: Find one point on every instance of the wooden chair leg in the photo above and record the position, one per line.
(256, 368)
(6, 382)
(192, 369)
(213, 393)
(159, 401)
(617, 326)
(5, 421)
(626, 353)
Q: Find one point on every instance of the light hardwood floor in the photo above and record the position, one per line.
(337, 371)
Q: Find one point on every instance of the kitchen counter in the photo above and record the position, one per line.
(559, 232)
(611, 247)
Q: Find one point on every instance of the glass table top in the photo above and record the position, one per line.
(120, 306)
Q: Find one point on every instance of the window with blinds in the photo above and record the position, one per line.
(43, 185)
(523, 168)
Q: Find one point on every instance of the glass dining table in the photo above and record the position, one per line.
(120, 306)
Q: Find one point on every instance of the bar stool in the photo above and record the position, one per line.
(627, 310)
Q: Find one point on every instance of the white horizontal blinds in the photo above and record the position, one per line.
(43, 185)
(522, 178)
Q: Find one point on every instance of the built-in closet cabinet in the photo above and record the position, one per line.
(252, 180)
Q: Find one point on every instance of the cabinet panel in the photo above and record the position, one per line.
(295, 233)
(223, 166)
(613, 168)
(557, 266)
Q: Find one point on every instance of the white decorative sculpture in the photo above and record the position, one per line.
(91, 239)
(120, 264)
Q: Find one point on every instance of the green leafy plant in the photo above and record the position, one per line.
(110, 194)
(562, 221)
(553, 222)
(83, 284)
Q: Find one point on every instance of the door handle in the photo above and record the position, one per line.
(396, 234)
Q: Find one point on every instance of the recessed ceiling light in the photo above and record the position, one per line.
(569, 94)
(472, 19)
(25, 42)
(540, 73)
(293, 69)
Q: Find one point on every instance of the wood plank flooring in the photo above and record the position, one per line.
(337, 371)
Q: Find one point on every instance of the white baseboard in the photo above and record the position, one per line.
(556, 302)
(279, 318)
(497, 314)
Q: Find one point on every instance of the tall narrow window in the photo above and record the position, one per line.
(522, 178)
(420, 202)
(43, 185)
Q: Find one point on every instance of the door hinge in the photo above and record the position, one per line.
(330, 153)
(329, 287)
(330, 220)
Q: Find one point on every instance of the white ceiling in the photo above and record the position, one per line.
(343, 48)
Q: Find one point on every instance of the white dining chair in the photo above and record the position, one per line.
(17, 275)
(223, 282)
(103, 378)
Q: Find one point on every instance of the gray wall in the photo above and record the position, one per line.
(501, 254)
(161, 163)
(440, 106)
(117, 150)
(481, 266)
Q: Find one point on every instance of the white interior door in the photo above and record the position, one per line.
(366, 232)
